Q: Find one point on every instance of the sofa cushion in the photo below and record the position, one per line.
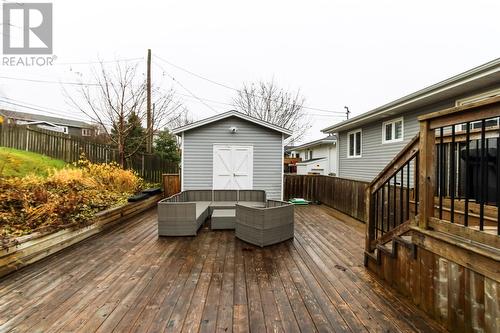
(201, 207)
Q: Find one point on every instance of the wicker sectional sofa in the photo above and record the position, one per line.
(182, 214)
(256, 220)
(265, 226)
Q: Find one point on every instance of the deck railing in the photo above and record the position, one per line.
(393, 196)
(466, 186)
(447, 176)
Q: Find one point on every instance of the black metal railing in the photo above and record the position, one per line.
(467, 174)
(396, 201)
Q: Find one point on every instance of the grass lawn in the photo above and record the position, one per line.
(19, 163)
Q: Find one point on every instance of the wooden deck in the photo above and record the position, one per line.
(129, 280)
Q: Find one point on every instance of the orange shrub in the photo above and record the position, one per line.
(67, 197)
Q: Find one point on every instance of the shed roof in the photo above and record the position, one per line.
(476, 78)
(232, 113)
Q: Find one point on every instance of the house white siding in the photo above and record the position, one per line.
(267, 154)
(325, 166)
(316, 167)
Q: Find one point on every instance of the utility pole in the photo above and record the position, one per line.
(152, 122)
(149, 118)
(347, 111)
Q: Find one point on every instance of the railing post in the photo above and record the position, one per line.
(370, 227)
(427, 173)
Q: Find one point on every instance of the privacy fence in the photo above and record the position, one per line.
(68, 148)
(345, 195)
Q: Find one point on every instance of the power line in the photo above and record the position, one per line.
(207, 100)
(190, 95)
(49, 81)
(325, 115)
(183, 87)
(232, 105)
(38, 108)
(232, 88)
(99, 62)
(72, 63)
(59, 113)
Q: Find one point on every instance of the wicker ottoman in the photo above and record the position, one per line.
(223, 219)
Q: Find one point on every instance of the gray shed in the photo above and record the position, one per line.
(233, 151)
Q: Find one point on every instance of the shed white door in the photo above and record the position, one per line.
(232, 167)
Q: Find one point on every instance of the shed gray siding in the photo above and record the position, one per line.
(375, 155)
(267, 154)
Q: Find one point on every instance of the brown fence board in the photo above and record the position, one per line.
(345, 195)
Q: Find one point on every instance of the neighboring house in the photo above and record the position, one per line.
(290, 160)
(317, 157)
(368, 142)
(233, 151)
(56, 124)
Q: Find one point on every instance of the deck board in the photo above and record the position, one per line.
(129, 280)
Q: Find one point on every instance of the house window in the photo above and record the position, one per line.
(86, 132)
(476, 125)
(310, 154)
(392, 130)
(475, 99)
(354, 144)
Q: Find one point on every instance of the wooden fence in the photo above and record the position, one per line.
(171, 184)
(68, 148)
(345, 195)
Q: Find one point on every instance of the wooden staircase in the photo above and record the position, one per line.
(431, 237)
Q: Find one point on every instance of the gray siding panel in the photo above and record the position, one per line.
(375, 155)
(267, 154)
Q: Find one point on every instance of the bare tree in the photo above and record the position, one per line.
(266, 101)
(182, 120)
(118, 93)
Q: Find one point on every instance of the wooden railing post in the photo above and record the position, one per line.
(427, 176)
(370, 226)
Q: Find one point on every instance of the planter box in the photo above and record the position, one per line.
(36, 246)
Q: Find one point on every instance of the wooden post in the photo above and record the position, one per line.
(149, 120)
(427, 177)
(370, 227)
(27, 137)
(142, 164)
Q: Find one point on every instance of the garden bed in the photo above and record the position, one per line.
(25, 250)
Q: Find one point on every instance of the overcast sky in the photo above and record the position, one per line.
(360, 54)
